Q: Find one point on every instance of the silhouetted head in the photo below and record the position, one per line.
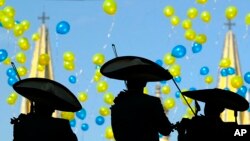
(42, 109)
(136, 85)
(213, 110)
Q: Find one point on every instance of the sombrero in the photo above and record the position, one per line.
(226, 98)
(134, 68)
(49, 92)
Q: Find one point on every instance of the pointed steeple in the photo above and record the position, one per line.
(230, 51)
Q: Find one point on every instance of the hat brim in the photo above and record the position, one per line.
(134, 68)
(49, 92)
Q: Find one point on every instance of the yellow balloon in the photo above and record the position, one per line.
(168, 11)
(98, 72)
(70, 66)
(225, 62)
(175, 70)
(23, 43)
(109, 133)
(247, 19)
(40, 68)
(97, 78)
(175, 20)
(44, 59)
(9, 11)
(169, 103)
(69, 56)
(109, 7)
(109, 98)
(35, 36)
(236, 81)
(104, 111)
(201, 1)
(7, 61)
(21, 57)
(187, 24)
(98, 59)
(1, 15)
(25, 24)
(82, 96)
(145, 90)
(102, 86)
(67, 115)
(188, 100)
(209, 79)
(18, 30)
(169, 59)
(192, 13)
(186, 116)
(2, 3)
(22, 70)
(190, 34)
(14, 96)
(206, 16)
(190, 112)
(201, 38)
(231, 12)
(7, 22)
(165, 89)
(11, 101)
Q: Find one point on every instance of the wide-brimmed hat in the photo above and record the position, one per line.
(48, 92)
(134, 68)
(225, 98)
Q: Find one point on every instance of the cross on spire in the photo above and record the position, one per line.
(43, 18)
(229, 24)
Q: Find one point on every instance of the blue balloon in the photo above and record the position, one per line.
(247, 77)
(84, 126)
(1, 25)
(230, 71)
(81, 114)
(11, 72)
(72, 123)
(3, 54)
(177, 94)
(159, 62)
(17, 22)
(227, 89)
(178, 51)
(177, 79)
(163, 82)
(204, 70)
(242, 91)
(99, 120)
(196, 48)
(62, 27)
(223, 72)
(192, 89)
(12, 80)
(72, 79)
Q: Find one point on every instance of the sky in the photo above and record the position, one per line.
(137, 28)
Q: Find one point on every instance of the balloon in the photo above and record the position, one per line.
(169, 103)
(44, 59)
(206, 16)
(247, 77)
(165, 89)
(223, 72)
(230, 71)
(192, 13)
(98, 59)
(201, 1)
(9, 11)
(178, 51)
(190, 34)
(67, 115)
(7, 22)
(169, 59)
(242, 91)
(10, 101)
(23, 43)
(201, 38)
(177, 79)
(7, 61)
(70, 66)
(12, 80)
(109, 133)
(81, 114)
(231, 12)
(109, 98)
(192, 89)
(22, 71)
(11, 72)
(187, 24)
(72, 123)
(35, 36)
(188, 100)
(84, 127)
(247, 19)
(3, 55)
(163, 82)
(97, 78)
(2, 3)
(175, 20)
(168, 11)
(196, 48)
(21, 57)
(72, 79)
(82, 96)
(225, 62)
(69, 56)
(18, 30)
(102, 86)
(145, 90)
(175, 70)
(236, 81)
(204, 70)
(14, 96)
(99, 120)
(40, 68)
(109, 7)
(104, 111)
(25, 24)
(190, 111)
(62, 27)
(209, 79)
(159, 62)
(98, 72)
(177, 94)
